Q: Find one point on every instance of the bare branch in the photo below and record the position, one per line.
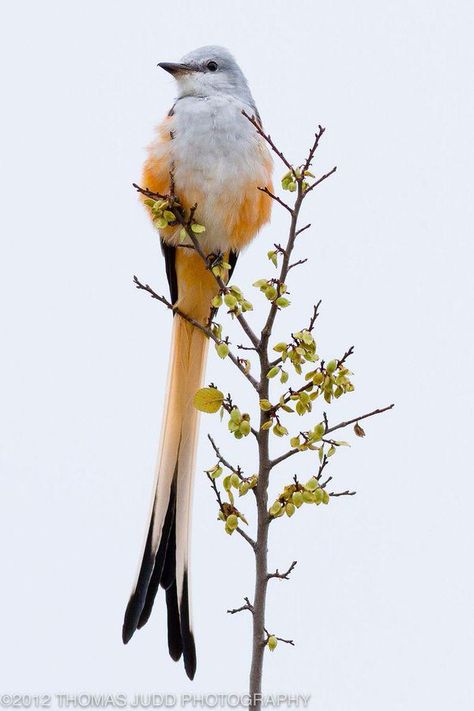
(343, 493)
(276, 198)
(295, 264)
(319, 181)
(266, 137)
(302, 229)
(291, 452)
(362, 417)
(283, 576)
(313, 149)
(235, 470)
(248, 606)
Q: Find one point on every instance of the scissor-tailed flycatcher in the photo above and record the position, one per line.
(218, 161)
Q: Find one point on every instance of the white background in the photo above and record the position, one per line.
(380, 605)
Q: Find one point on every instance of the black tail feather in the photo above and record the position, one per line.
(189, 647)
(141, 602)
(175, 643)
(161, 564)
(156, 570)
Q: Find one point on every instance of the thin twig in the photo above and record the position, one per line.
(248, 606)
(283, 576)
(205, 329)
(339, 426)
(266, 137)
(362, 417)
(235, 470)
(276, 198)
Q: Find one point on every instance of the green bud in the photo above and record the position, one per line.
(273, 371)
(217, 301)
(295, 441)
(297, 499)
(197, 229)
(216, 472)
(290, 509)
(308, 497)
(222, 350)
(235, 415)
(326, 497)
(235, 480)
(244, 427)
(272, 643)
(318, 378)
(331, 366)
(232, 522)
(282, 302)
(318, 495)
(161, 223)
(230, 300)
(226, 483)
(243, 488)
(312, 484)
(265, 405)
(320, 429)
(271, 292)
(280, 347)
(228, 529)
(275, 508)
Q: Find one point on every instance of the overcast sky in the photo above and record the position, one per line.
(380, 605)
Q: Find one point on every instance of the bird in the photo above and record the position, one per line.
(212, 156)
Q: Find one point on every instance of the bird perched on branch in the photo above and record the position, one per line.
(218, 161)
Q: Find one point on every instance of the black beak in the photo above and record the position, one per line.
(174, 68)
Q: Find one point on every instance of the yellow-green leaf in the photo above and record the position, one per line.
(208, 400)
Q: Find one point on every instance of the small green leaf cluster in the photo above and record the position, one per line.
(162, 215)
(231, 517)
(295, 495)
(239, 482)
(234, 299)
(301, 350)
(273, 257)
(331, 380)
(239, 424)
(221, 346)
(195, 227)
(220, 267)
(273, 290)
(290, 179)
(233, 481)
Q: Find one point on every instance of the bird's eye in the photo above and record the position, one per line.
(212, 66)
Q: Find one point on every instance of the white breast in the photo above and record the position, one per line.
(217, 155)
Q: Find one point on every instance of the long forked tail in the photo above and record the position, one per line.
(165, 557)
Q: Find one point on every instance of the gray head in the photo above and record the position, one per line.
(208, 71)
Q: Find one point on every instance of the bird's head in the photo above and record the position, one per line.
(208, 71)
